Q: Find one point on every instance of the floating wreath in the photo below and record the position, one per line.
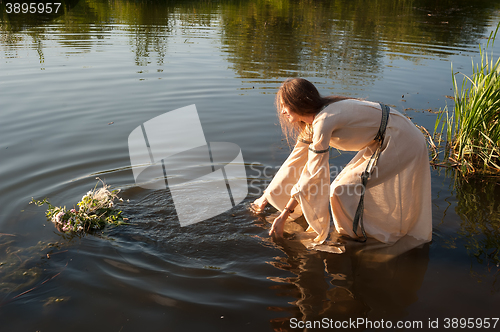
(95, 210)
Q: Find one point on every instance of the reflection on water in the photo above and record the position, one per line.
(371, 281)
(479, 210)
(72, 90)
(343, 41)
(357, 284)
(268, 39)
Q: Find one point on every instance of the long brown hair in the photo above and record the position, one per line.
(300, 97)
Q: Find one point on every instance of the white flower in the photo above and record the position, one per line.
(102, 194)
(57, 217)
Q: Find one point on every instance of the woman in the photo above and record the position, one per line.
(397, 199)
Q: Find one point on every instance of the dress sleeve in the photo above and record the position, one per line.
(278, 192)
(312, 190)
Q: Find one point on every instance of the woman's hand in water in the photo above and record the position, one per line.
(279, 225)
(259, 204)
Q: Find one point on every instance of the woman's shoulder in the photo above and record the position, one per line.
(352, 102)
(336, 108)
(349, 105)
(343, 112)
(332, 113)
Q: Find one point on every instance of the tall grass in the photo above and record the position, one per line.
(472, 129)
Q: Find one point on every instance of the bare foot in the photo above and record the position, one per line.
(259, 204)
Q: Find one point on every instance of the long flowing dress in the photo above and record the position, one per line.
(397, 199)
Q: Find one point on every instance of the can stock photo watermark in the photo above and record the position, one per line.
(204, 178)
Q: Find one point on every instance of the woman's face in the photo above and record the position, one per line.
(291, 116)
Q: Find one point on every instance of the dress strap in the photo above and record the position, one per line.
(358, 217)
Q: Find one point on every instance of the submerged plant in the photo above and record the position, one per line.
(95, 210)
(472, 130)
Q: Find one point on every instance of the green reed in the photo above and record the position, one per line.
(472, 129)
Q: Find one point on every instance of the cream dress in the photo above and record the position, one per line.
(398, 195)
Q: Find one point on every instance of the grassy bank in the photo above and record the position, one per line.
(471, 131)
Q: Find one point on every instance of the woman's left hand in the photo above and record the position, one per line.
(279, 225)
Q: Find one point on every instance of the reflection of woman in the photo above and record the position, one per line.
(397, 200)
(372, 282)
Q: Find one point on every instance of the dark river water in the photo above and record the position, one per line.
(74, 86)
